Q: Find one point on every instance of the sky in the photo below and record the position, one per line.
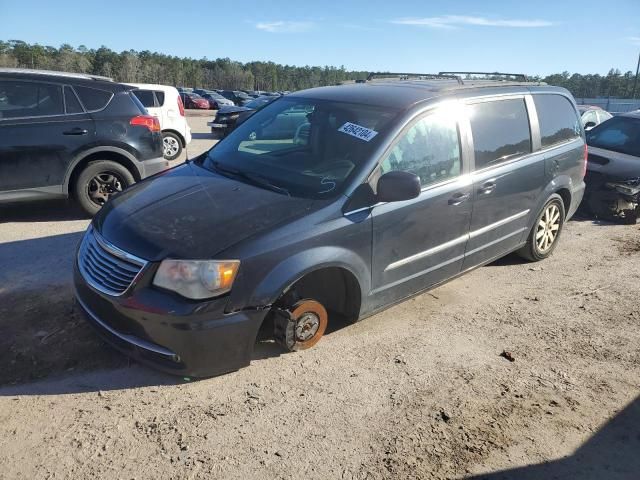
(532, 37)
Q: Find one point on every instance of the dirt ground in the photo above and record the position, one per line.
(419, 391)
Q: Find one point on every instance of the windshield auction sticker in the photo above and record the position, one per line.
(357, 131)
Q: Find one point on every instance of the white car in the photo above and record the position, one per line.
(164, 102)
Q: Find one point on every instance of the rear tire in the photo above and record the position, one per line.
(171, 145)
(98, 182)
(545, 232)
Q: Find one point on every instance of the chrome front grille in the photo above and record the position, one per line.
(105, 267)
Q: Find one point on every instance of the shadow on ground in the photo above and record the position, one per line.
(612, 453)
(50, 211)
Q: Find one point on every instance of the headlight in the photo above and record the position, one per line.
(197, 279)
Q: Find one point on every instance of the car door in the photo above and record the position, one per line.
(507, 176)
(420, 242)
(43, 127)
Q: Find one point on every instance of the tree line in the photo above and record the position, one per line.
(152, 67)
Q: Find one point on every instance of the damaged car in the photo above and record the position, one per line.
(613, 169)
(325, 207)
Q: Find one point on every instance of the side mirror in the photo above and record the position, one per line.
(397, 186)
(589, 125)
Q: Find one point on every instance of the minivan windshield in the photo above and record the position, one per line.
(301, 146)
(619, 134)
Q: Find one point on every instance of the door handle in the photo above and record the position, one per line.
(458, 198)
(76, 131)
(487, 187)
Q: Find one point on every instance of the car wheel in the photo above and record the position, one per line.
(301, 326)
(171, 145)
(98, 182)
(545, 232)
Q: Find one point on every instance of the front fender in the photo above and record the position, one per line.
(271, 286)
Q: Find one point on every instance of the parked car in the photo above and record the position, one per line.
(194, 101)
(613, 170)
(237, 97)
(325, 206)
(229, 117)
(217, 101)
(72, 135)
(164, 103)
(592, 116)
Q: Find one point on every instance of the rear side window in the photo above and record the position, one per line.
(160, 98)
(500, 131)
(92, 98)
(557, 118)
(72, 105)
(145, 97)
(430, 149)
(27, 99)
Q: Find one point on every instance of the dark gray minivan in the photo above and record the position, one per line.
(329, 205)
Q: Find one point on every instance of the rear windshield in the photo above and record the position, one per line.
(302, 147)
(619, 134)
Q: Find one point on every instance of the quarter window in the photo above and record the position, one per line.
(160, 97)
(500, 131)
(92, 98)
(30, 99)
(557, 118)
(71, 102)
(145, 97)
(430, 149)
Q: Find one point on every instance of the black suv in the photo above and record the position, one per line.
(75, 135)
(328, 205)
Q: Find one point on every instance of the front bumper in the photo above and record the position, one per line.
(169, 333)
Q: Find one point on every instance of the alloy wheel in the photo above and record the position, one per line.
(548, 228)
(170, 146)
(103, 185)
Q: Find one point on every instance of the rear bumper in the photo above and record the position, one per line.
(152, 166)
(576, 199)
(171, 334)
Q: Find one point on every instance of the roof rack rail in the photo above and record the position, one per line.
(420, 76)
(520, 77)
(87, 76)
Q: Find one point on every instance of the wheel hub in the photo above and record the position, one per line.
(102, 186)
(307, 326)
(170, 146)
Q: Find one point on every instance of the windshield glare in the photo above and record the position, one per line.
(305, 147)
(619, 134)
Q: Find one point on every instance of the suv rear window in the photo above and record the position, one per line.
(557, 118)
(92, 98)
(145, 97)
(30, 99)
(500, 131)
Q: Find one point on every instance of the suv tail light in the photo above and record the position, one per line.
(180, 106)
(148, 121)
(586, 157)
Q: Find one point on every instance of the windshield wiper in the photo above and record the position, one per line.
(253, 178)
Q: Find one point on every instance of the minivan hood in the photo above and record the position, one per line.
(191, 212)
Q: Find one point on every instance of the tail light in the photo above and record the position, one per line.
(147, 121)
(586, 156)
(180, 107)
